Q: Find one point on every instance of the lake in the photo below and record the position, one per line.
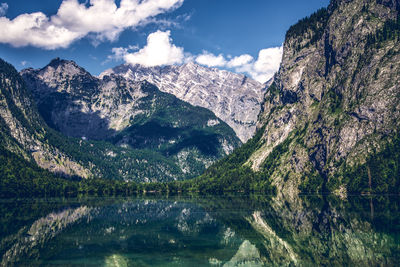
(232, 230)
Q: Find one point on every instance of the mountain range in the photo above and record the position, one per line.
(234, 98)
(327, 122)
(78, 125)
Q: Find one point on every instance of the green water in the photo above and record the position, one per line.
(201, 231)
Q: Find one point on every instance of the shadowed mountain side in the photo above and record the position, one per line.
(27, 142)
(131, 115)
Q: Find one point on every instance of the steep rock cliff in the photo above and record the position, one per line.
(330, 119)
(23, 131)
(336, 98)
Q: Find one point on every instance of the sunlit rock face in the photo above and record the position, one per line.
(23, 131)
(335, 99)
(234, 98)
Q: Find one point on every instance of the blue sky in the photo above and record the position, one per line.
(240, 35)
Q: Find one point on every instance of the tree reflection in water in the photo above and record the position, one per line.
(201, 231)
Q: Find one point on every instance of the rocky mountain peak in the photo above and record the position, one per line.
(132, 114)
(191, 64)
(60, 76)
(234, 98)
(388, 3)
(68, 67)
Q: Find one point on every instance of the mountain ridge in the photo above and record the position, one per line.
(234, 98)
(128, 114)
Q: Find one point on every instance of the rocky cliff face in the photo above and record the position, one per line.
(234, 98)
(129, 114)
(336, 97)
(23, 131)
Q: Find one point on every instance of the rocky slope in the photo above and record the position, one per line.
(330, 120)
(27, 142)
(335, 99)
(23, 131)
(129, 114)
(234, 98)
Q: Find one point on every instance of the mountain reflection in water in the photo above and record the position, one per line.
(201, 231)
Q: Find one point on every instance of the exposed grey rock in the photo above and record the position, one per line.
(130, 114)
(336, 96)
(80, 105)
(23, 131)
(234, 98)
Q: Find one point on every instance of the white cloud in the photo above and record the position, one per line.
(73, 21)
(239, 61)
(158, 51)
(3, 9)
(118, 53)
(267, 63)
(211, 60)
(261, 70)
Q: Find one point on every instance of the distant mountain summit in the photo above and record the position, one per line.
(234, 98)
(130, 114)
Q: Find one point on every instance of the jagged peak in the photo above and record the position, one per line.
(127, 69)
(66, 66)
(191, 64)
(58, 61)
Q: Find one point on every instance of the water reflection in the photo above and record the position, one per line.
(201, 231)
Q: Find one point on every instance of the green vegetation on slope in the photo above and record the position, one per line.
(311, 27)
(170, 125)
(21, 178)
(390, 31)
(379, 174)
(231, 174)
(108, 161)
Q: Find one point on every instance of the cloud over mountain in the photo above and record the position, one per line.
(102, 19)
(264, 67)
(211, 60)
(160, 50)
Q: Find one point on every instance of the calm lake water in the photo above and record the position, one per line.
(201, 231)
